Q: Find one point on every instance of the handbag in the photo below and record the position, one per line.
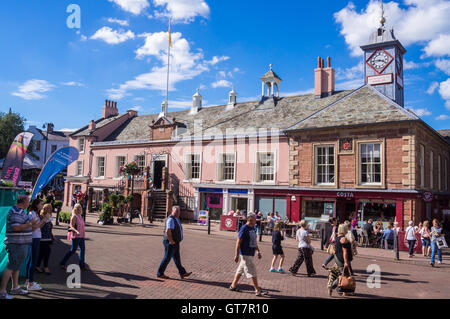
(346, 282)
(441, 243)
(331, 250)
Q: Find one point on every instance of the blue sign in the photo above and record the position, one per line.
(210, 190)
(237, 191)
(55, 164)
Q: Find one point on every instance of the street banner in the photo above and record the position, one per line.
(14, 159)
(57, 162)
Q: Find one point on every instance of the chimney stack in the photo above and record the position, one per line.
(324, 79)
(110, 109)
(92, 125)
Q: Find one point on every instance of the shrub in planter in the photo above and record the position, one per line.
(105, 216)
(6, 183)
(64, 217)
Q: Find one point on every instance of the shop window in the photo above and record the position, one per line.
(186, 202)
(315, 209)
(324, 165)
(383, 212)
(370, 163)
(271, 205)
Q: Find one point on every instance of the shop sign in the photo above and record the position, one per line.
(345, 145)
(345, 194)
(228, 223)
(428, 197)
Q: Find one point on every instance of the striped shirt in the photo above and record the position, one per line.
(16, 217)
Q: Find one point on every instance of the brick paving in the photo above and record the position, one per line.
(124, 260)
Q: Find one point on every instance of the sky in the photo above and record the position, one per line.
(60, 62)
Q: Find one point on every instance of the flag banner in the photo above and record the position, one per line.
(14, 159)
(57, 162)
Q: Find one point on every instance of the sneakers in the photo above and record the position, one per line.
(261, 293)
(273, 270)
(6, 296)
(34, 287)
(18, 291)
(324, 267)
(439, 262)
(281, 270)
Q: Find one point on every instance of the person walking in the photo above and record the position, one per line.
(330, 243)
(426, 238)
(305, 251)
(173, 235)
(436, 232)
(18, 237)
(77, 236)
(410, 235)
(33, 254)
(246, 246)
(46, 240)
(277, 250)
(343, 257)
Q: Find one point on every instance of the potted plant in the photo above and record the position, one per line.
(57, 206)
(114, 201)
(8, 184)
(105, 216)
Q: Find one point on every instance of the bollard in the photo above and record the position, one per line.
(209, 225)
(396, 251)
(261, 231)
(322, 235)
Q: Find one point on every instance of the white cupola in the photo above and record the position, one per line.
(270, 80)
(196, 102)
(232, 99)
(164, 109)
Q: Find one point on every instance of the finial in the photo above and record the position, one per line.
(383, 19)
(270, 67)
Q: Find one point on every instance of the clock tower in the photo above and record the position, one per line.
(383, 63)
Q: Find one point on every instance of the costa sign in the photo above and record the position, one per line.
(344, 194)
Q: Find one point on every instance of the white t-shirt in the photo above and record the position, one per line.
(410, 233)
(36, 233)
(302, 236)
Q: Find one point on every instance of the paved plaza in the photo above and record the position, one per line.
(124, 260)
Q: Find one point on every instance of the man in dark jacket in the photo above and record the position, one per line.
(173, 235)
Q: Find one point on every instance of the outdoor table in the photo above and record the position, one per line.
(293, 227)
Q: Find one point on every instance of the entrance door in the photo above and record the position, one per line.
(157, 173)
(239, 203)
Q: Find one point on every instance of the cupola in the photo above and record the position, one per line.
(196, 102)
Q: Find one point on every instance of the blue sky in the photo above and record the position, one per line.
(50, 72)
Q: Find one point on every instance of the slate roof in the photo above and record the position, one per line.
(270, 75)
(362, 106)
(445, 134)
(216, 119)
(55, 135)
(85, 131)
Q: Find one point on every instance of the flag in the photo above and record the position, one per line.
(170, 36)
(14, 160)
(55, 164)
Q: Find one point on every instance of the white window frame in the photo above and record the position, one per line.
(327, 146)
(221, 168)
(439, 172)
(422, 165)
(188, 167)
(82, 168)
(380, 183)
(257, 174)
(80, 143)
(145, 163)
(117, 166)
(431, 170)
(97, 176)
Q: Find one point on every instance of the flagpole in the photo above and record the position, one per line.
(168, 66)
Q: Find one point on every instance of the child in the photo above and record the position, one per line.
(276, 248)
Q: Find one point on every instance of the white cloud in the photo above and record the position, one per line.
(137, 108)
(355, 72)
(68, 130)
(420, 21)
(421, 112)
(217, 59)
(303, 92)
(33, 89)
(410, 65)
(350, 84)
(184, 64)
(432, 88)
(439, 46)
(443, 65)
(123, 23)
(444, 91)
(111, 36)
(182, 10)
(443, 117)
(135, 7)
(222, 84)
(73, 83)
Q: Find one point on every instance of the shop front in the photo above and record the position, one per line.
(212, 199)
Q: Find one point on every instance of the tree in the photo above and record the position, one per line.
(11, 124)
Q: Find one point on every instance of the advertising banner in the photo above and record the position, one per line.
(57, 162)
(14, 159)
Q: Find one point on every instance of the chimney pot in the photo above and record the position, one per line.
(319, 62)
(324, 79)
(328, 62)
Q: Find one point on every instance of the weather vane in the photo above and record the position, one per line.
(383, 19)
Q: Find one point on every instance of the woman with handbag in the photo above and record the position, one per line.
(77, 236)
(331, 245)
(340, 274)
(436, 233)
(46, 240)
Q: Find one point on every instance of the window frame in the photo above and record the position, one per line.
(141, 167)
(189, 178)
(431, 159)
(117, 176)
(439, 169)
(315, 166)
(358, 173)
(220, 171)
(422, 165)
(82, 168)
(97, 176)
(257, 169)
(81, 151)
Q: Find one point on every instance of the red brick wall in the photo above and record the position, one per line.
(160, 134)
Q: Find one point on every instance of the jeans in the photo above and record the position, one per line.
(328, 260)
(44, 253)
(76, 242)
(32, 258)
(411, 244)
(434, 249)
(171, 251)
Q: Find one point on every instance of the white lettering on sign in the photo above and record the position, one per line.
(379, 79)
(343, 194)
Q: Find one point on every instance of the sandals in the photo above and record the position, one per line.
(235, 289)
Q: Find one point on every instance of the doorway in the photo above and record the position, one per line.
(239, 203)
(158, 173)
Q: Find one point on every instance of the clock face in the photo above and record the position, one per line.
(379, 60)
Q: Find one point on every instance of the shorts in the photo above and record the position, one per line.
(246, 266)
(17, 253)
(426, 242)
(277, 250)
